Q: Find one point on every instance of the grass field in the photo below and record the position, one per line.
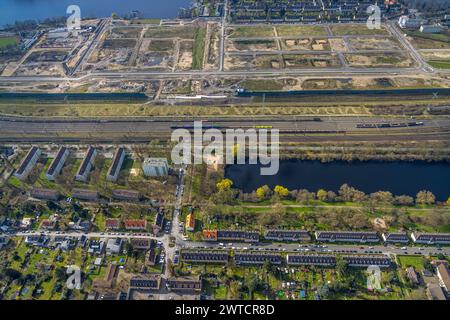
(8, 41)
(301, 31)
(411, 261)
(199, 49)
(185, 32)
(439, 64)
(353, 29)
(252, 32)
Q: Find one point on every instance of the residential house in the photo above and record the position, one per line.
(86, 165)
(395, 237)
(190, 222)
(114, 246)
(434, 292)
(45, 194)
(145, 282)
(114, 170)
(135, 224)
(287, 235)
(184, 284)
(211, 256)
(57, 163)
(311, 260)
(155, 167)
(126, 195)
(159, 222)
(444, 277)
(256, 258)
(85, 194)
(28, 163)
(48, 224)
(141, 244)
(412, 275)
(346, 236)
(367, 261)
(236, 235)
(112, 224)
(430, 238)
(96, 247)
(3, 242)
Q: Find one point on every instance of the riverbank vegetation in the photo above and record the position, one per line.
(218, 205)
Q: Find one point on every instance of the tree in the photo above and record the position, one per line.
(252, 283)
(263, 192)
(341, 266)
(322, 195)
(115, 16)
(224, 184)
(281, 191)
(448, 201)
(425, 197)
(13, 274)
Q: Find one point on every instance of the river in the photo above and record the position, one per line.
(19, 10)
(397, 177)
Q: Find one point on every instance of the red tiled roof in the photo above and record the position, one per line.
(135, 223)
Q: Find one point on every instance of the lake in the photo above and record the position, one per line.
(397, 177)
(17, 10)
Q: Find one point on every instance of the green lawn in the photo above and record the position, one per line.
(199, 49)
(411, 261)
(8, 41)
(439, 64)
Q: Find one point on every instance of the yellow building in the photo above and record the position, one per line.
(190, 222)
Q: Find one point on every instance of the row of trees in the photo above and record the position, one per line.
(346, 193)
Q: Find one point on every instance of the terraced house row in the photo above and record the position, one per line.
(328, 236)
(259, 258)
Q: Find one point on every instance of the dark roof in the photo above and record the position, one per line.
(311, 259)
(27, 160)
(84, 194)
(41, 193)
(116, 161)
(126, 194)
(205, 256)
(257, 258)
(86, 161)
(159, 218)
(56, 161)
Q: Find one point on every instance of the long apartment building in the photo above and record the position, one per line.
(430, 238)
(58, 162)
(256, 258)
(86, 165)
(287, 235)
(114, 170)
(328, 260)
(28, 163)
(347, 236)
(214, 257)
